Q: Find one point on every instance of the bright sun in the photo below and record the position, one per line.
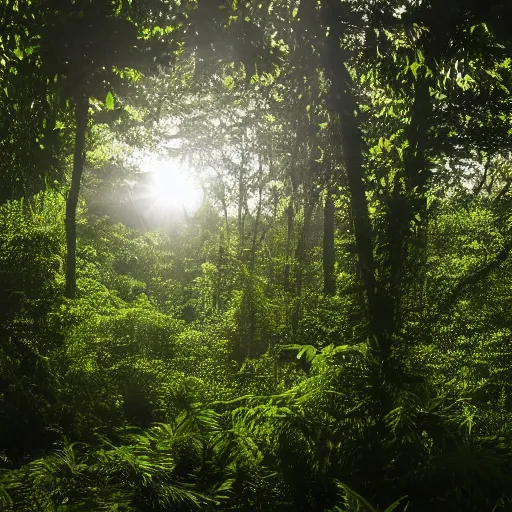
(172, 186)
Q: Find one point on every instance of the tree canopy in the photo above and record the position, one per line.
(254, 256)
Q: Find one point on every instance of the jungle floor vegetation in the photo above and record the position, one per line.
(255, 255)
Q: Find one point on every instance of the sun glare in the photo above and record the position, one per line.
(172, 186)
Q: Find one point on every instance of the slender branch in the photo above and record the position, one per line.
(471, 280)
(480, 185)
(504, 190)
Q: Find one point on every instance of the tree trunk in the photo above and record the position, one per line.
(225, 209)
(328, 246)
(290, 217)
(258, 217)
(408, 261)
(241, 194)
(242, 197)
(344, 104)
(81, 110)
(300, 256)
(252, 264)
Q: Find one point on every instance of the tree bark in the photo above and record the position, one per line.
(344, 104)
(81, 110)
(224, 207)
(241, 195)
(290, 218)
(252, 263)
(328, 246)
(300, 256)
(407, 261)
(258, 217)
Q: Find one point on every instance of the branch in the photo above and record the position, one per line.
(466, 283)
(504, 190)
(480, 185)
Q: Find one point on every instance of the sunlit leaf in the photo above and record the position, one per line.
(109, 101)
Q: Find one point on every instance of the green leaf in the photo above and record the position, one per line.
(357, 497)
(109, 101)
(309, 353)
(385, 144)
(414, 68)
(395, 504)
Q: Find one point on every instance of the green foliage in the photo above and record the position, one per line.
(331, 330)
(355, 502)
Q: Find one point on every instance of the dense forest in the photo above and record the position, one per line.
(255, 255)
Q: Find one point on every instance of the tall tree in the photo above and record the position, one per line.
(88, 47)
